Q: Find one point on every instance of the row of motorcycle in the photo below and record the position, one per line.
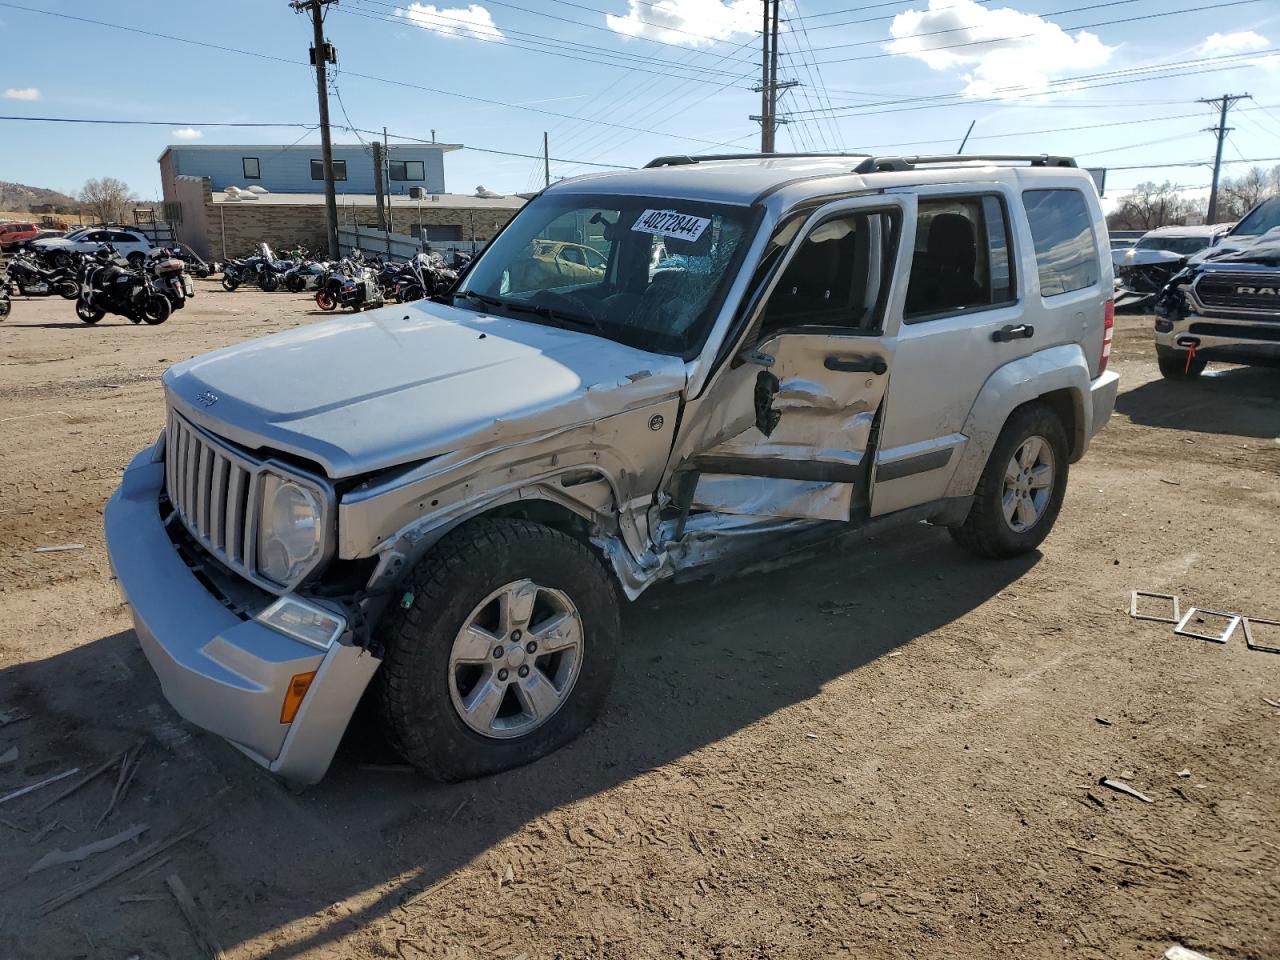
(102, 283)
(358, 281)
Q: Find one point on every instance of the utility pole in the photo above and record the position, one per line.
(377, 185)
(391, 211)
(546, 160)
(770, 86)
(1223, 103)
(322, 53)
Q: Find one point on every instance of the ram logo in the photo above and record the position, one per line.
(1258, 291)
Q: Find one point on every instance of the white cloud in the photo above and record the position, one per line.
(1024, 50)
(22, 93)
(693, 23)
(472, 21)
(188, 133)
(1223, 44)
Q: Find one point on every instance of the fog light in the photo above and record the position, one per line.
(299, 684)
(1164, 326)
(302, 621)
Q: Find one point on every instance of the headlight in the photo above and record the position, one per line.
(290, 531)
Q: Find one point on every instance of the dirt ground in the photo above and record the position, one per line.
(888, 751)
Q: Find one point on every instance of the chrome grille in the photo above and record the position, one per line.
(213, 489)
(1223, 291)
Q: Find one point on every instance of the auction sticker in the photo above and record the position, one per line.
(669, 223)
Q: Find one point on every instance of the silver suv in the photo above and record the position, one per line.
(452, 498)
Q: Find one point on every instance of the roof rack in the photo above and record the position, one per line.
(899, 164)
(681, 160)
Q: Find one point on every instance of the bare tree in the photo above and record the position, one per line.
(1237, 194)
(108, 199)
(1149, 206)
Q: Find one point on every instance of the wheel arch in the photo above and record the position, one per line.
(1058, 377)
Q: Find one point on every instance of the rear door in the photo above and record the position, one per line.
(786, 433)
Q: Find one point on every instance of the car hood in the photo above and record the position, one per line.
(404, 383)
(1147, 257)
(52, 242)
(1264, 249)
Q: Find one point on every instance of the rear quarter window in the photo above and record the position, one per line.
(1062, 230)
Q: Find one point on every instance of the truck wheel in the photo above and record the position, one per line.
(1021, 488)
(500, 650)
(1173, 365)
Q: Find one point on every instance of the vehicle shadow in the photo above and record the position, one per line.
(1243, 401)
(700, 662)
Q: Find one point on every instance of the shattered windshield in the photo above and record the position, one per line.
(648, 272)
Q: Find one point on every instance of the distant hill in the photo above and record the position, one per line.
(18, 197)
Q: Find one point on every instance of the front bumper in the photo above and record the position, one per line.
(222, 672)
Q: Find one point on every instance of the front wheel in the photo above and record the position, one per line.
(1180, 364)
(1021, 488)
(269, 283)
(326, 301)
(500, 650)
(295, 284)
(229, 283)
(156, 310)
(89, 313)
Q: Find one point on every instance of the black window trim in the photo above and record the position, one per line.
(1089, 289)
(337, 164)
(257, 165)
(881, 308)
(391, 167)
(1014, 276)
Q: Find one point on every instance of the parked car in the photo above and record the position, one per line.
(452, 496)
(1142, 271)
(15, 233)
(132, 245)
(552, 260)
(1225, 303)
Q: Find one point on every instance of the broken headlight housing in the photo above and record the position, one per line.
(291, 534)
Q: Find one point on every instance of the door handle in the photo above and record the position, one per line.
(856, 364)
(1011, 332)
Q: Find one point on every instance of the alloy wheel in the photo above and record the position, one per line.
(1028, 484)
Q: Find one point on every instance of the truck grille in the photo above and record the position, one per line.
(213, 489)
(1240, 291)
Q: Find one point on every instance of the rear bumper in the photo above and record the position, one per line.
(220, 671)
(1102, 398)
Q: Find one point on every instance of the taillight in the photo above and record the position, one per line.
(1108, 328)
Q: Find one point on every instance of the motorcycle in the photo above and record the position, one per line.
(305, 275)
(5, 303)
(361, 292)
(171, 280)
(108, 287)
(424, 276)
(33, 280)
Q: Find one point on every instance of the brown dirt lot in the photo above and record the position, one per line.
(888, 751)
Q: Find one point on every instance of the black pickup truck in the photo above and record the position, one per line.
(1225, 304)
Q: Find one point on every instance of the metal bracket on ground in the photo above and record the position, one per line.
(1133, 606)
(1250, 642)
(1233, 621)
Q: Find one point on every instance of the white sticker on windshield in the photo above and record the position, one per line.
(668, 223)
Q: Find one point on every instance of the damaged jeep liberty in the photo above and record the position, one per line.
(452, 498)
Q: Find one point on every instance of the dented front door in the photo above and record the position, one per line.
(785, 430)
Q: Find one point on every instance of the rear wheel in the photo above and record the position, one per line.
(1021, 488)
(295, 284)
(156, 310)
(4, 307)
(89, 313)
(500, 650)
(68, 289)
(326, 301)
(229, 283)
(136, 260)
(1179, 365)
(62, 260)
(269, 282)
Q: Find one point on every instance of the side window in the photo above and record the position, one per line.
(252, 170)
(572, 255)
(1063, 233)
(961, 260)
(339, 170)
(837, 276)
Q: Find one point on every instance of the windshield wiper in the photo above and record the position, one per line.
(546, 313)
(480, 298)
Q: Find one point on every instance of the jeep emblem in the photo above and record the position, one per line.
(207, 399)
(656, 422)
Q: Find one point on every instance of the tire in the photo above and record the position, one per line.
(4, 308)
(295, 284)
(988, 531)
(229, 283)
(136, 260)
(269, 283)
(423, 689)
(1173, 365)
(410, 293)
(326, 301)
(62, 260)
(156, 310)
(87, 313)
(68, 290)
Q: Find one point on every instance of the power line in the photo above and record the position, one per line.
(309, 127)
(350, 73)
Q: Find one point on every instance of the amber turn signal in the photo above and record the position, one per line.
(299, 684)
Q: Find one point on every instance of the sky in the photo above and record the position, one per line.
(1114, 83)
